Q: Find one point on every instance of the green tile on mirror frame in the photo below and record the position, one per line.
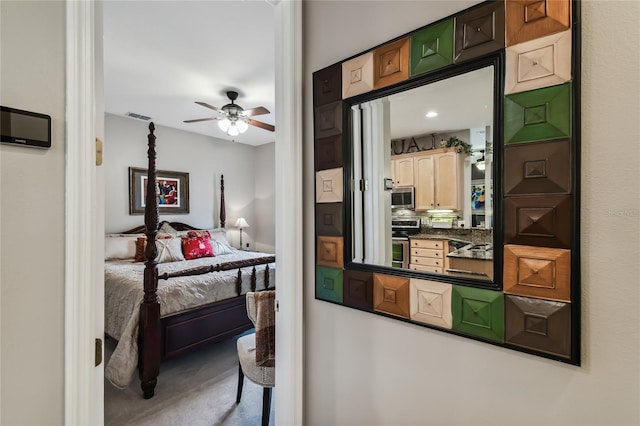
(329, 283)
(538, 115)
(478, 312)
(431, 48)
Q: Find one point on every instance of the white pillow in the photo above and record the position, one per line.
(169, 250)
(220, 248)
(168, 229)
(120, 247)
(220, 236)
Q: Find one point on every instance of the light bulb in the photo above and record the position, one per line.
(233, 130)
(224, 124)
(242, 126)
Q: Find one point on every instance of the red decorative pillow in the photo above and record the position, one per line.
(199, 234)
(196, 247)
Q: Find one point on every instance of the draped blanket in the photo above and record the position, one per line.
(265, 328)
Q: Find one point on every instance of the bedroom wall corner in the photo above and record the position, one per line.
(265, 198)
(32, 210)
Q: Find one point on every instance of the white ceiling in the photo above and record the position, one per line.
(462, 102)
(162, 56)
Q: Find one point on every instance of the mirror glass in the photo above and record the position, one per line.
(422, 164)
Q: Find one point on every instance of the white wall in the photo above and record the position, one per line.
(365, 369)
(265, 199)
(32, 218)
(205, 159)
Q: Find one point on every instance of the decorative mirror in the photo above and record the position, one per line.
(447, 177)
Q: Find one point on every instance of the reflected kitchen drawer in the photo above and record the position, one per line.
(427, 244)
(427, 253)
(426, 268)
(473, 268)
(422, 261)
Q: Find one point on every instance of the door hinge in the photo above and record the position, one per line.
(98, 352)
(364, 184)
(277, 306)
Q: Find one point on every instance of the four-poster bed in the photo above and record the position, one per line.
(188, 303)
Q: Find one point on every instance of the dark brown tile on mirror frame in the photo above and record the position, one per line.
(479, 31)
(328, 152)
(328, 120)
(538, 324)
(329, 219)
(358, 289)
(538, 168)
(539, 220)
(327, 85)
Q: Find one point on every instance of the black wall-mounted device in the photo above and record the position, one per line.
(26, 128)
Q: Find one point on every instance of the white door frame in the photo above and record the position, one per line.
(83, 383)
(83, 386)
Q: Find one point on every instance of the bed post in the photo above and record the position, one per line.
(149, 353)
(223, 213)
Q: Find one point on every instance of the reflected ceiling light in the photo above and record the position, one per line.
(431, 114)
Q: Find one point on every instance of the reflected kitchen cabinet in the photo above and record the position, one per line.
(402, 171)
(438, 180)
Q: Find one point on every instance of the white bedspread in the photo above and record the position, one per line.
(124, 292)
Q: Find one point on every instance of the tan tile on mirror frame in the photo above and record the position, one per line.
(329, 186)
(538, 63)
(357, 75)
(430, 302)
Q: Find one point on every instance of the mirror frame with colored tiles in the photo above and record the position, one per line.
(532, 304)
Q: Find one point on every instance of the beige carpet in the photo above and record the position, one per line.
(194, 389)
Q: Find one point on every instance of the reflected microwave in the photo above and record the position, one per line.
(403, 197)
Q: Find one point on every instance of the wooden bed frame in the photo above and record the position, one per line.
(165, 337)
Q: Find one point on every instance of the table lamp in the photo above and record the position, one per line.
(241, 223)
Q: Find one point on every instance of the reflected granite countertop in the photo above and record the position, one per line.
(425, 236)
(474, 251)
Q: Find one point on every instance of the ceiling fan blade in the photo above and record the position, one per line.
(204, 104)
(269, 127)
(201, 119)
(255, 111)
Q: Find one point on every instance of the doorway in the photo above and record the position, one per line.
(83, 29)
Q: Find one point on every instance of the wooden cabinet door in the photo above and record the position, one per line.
(403, 173)
(424, 182)
(447, 182)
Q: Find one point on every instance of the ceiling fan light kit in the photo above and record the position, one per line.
(235, 119)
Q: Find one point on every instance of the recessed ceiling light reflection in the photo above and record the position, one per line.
(431, 114)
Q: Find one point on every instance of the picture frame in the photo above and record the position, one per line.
(172, 189)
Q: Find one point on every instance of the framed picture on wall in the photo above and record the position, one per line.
(172, 191)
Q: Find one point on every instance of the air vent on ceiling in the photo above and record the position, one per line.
(138, 116)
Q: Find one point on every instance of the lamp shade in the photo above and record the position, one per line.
(224, 124)
(233, 130)
(242, 126)
(241, 223)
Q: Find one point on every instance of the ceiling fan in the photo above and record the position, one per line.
(234, 119)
